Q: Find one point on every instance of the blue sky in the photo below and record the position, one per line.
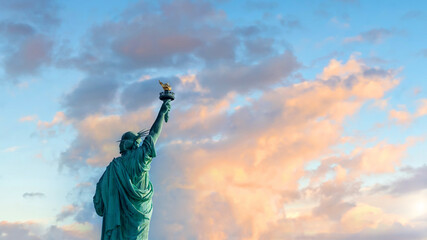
(264, 89)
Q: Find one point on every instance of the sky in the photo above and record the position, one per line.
(293, 120)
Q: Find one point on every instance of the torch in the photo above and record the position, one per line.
(167, 94)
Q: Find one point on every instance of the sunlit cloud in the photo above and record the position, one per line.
(59, 118)
(11, 149)
(404, 117)
(28, 118)
(279, 130)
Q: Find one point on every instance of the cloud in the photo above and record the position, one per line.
(401, 117)
(332, 203)
(242, 78)
(10, 231)
(415, 181)
(33, 195)
(387, 157)
(248, 31)
(219, 161)
(179, 33)
(144, 93)
(182, 34)
(365, 216)
(381, 104)
(404, 117)
(53, 127)
(36, 231)
(11, 149)
(224, 150)
(26, 29)
(136, 95)
(66, 212)
(16, 31)
(59, 118)
(33, 53)
(337, 69)
(395, 232)
(261, 160)
(94, 144)
(290, 22)
(412, 15)
(376, 35)
(382, 158)
(28, 118)
(92, 95)
(85, 223)
(338, 23)
(75, 231)
(42, 13)
(259, 47)
(422, 108)
(247, 161)
(222, 48)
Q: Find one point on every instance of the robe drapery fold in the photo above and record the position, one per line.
(124, 194)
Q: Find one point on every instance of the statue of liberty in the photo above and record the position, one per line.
(124, 193)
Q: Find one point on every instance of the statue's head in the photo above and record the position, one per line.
(130, 140)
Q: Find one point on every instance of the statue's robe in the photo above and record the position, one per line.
(124, 195)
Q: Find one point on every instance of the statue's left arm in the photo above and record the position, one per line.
(156, 129)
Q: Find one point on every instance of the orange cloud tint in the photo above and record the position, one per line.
(102, 132)
(404, 117)
(244, 168)
(29, 118)
(254, 170)
(57, 119)
(364, 216)
(381, 158)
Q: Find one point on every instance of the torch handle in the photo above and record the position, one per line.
(167, 117)
(167, 113)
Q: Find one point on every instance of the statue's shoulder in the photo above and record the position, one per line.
(116, 161)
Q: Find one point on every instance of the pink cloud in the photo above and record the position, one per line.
(34, 53)
(381, 158)
(404, 117)
(28, 118)
(98, 135)
(67, 211)
(364, 216)
(422, 108)
(401, 116)
(31, 230)
(253, 169)
(59, 118)
(336, 68)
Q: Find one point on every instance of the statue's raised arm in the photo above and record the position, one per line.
(156, 129)
(123, 195)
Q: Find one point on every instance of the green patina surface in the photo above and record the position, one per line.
(124, 193)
